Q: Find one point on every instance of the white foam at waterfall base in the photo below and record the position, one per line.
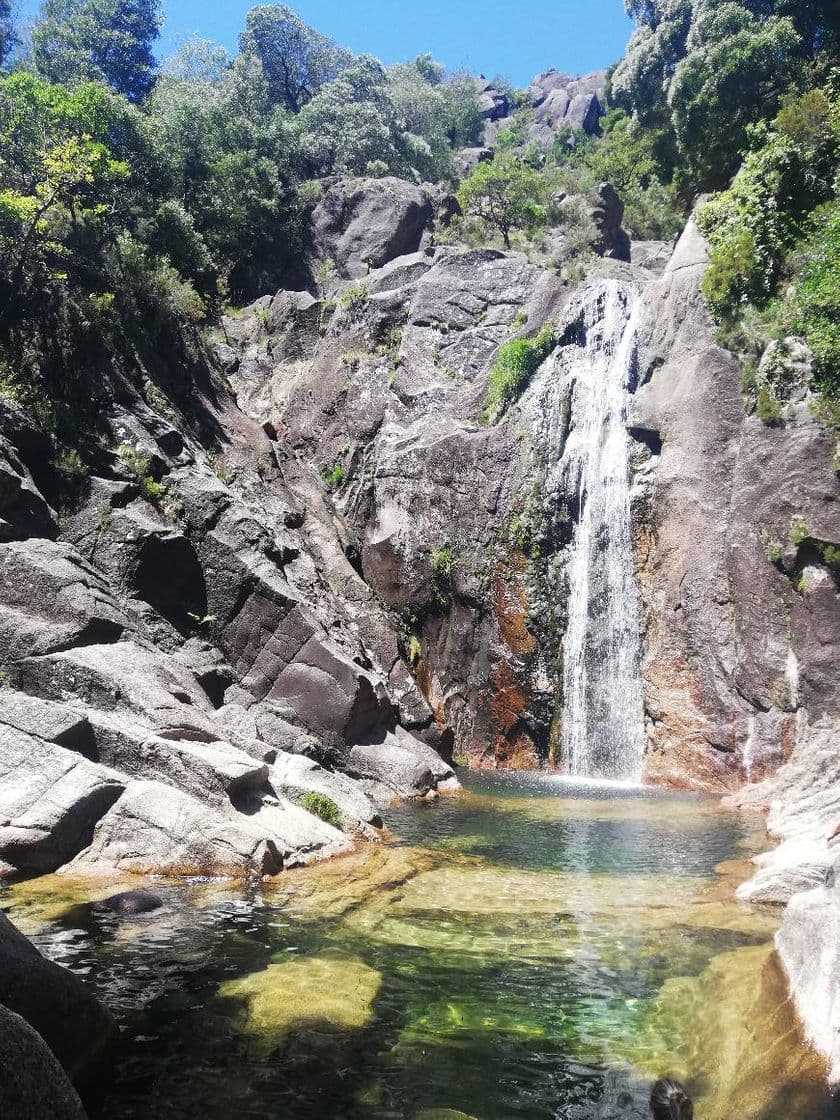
(603, 719)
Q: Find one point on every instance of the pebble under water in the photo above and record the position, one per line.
(531, 949)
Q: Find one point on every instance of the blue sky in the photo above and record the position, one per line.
(490, 36)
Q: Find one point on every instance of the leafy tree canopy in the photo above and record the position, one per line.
(99, 40)
(295, 59)
(505, 194)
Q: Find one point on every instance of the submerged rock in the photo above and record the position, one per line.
(331, 990)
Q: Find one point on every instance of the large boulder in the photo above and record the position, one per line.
(809, 946)
(33, 1086)
(400, 765)
(805, 816)
(66, 725)
(361, 224)
(50, 801)
(24, 512)
(295, 775)
(124, 687)
(493, 103)
(50, 598)
(156, 828)
(607, 214)
(56, 1003)
(217, 771)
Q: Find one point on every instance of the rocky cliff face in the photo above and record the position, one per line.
(333, 562)
(187, 651)
(460, 530)
(462, 522)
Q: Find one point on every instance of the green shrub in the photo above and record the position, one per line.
(334, 476)
(767, 408)
(729, 279)
(830, 555)
(322, 806)
(138, 467)
(69, 463)
(799, 530)
(774, 552)
(353, 299)
(504, 195)
(443, 565)
(817, 298)
(515, 365)
(442, 561)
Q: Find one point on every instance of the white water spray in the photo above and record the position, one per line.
(603, 720)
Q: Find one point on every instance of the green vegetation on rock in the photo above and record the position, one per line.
(515, 365)
(504, 195)
(321, 806)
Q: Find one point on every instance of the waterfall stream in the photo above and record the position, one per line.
(603, 719)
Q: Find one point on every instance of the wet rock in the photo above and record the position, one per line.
(33, 1086)
(50, 801)
(361, 224)
(132, 902)
(77, 1029)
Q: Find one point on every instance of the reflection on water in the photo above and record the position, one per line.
(528, 950)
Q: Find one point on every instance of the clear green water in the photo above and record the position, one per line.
(526, 950)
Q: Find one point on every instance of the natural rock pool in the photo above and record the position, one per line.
(530, 949)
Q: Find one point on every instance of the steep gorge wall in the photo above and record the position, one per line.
(743, 612)
(463, 527)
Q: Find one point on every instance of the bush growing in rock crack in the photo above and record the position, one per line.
(516, 363)
(321, 806)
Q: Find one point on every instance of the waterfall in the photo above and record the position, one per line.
(603, 718)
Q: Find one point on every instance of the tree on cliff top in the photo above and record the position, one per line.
(296, 60)
(99, 40)
(505, 194)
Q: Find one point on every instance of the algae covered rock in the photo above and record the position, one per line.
(330, 989)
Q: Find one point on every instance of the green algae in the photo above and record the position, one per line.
(329, 989)
(515, 955)
(35, 904)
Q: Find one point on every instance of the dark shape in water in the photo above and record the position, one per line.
(669, 1101)
(132, 902)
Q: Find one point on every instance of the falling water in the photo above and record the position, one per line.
(603, 720)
